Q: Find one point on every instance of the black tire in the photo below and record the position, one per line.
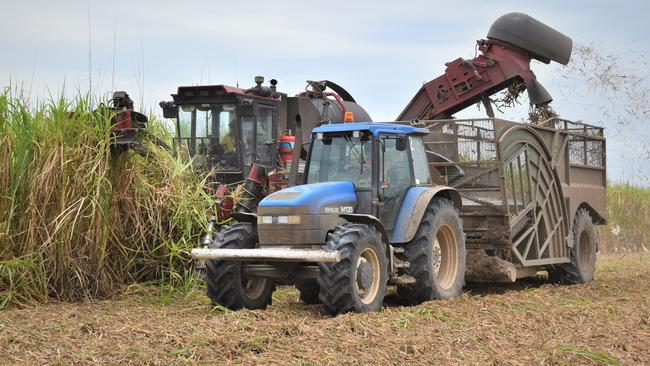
(582, 267)
(309, 292)
(441, 221)
(358, 282)
(226, 286)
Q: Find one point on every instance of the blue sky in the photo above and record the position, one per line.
(380, 51)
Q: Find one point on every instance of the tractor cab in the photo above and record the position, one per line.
(382, 161)
(227, 129)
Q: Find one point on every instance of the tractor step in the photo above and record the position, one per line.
(401, 280)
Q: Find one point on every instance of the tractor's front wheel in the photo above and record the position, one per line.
(227, 285)
(436, 255)
(358, 281)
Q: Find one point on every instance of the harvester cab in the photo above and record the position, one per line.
(248, 135)
(227, 129)
(340, 236)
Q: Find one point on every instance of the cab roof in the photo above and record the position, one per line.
(375, 128)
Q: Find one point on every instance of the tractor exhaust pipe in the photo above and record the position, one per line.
(268, 254)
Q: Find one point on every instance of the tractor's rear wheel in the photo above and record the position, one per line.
(358, 281)
(309, 292)
(227, 286)
(436, 255)
(582, 267)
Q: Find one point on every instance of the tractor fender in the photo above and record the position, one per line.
(367, 220)
(415, 202)
(248, 217)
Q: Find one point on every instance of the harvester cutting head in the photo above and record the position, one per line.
(512, 42)
(125, 122)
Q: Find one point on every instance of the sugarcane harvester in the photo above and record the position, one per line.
(406, 203)
(246, 137)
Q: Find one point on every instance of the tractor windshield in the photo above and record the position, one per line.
(208, 133)
(341, 157)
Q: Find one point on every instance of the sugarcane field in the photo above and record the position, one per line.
(298, 183)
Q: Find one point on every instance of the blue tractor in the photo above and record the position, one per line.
(367, 216)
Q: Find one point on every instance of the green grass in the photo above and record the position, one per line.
(80, 221)
(628, 209)
(600, 357)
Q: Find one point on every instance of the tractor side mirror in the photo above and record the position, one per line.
(170, 110)
(400, 144)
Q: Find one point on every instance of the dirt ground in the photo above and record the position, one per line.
(531, 322)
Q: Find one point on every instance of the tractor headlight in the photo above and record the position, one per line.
(267, 219)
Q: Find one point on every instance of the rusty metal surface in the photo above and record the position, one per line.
(539, 221)
(521, 184)
(503, 60)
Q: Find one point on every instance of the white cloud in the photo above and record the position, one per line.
(380, 50)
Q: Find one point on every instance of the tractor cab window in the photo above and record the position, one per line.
(420, 162)
(341, 157)
(395, 177)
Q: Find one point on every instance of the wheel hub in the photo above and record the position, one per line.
(436, 259)
(367, 276)
(253, 287)
(445, 257)
(364, 274)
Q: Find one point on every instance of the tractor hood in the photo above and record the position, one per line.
(318, 198)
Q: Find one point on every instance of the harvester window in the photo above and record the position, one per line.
(248, 126)
(264, 135)
(208, 131)
(224, 130)
(185, 127)
(227, 140)
(203, 122)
